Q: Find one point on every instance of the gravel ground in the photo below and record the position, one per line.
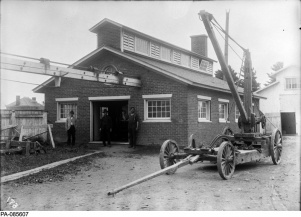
(254, 186)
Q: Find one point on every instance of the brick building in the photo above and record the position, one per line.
(179, 95)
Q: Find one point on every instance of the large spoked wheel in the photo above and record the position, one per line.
(226, 160)
(276, 146)
(168, 149)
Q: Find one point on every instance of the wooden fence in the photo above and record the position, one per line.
(24, 118)
(273, 121)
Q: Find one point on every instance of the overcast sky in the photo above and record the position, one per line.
(60, 32)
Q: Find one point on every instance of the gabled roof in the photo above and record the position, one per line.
(26, 103)
(267, 87)
(96, 28)
(284, 69)
(175, 72)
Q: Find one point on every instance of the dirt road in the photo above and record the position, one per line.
(254, 186)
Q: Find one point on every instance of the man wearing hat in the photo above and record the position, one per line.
(70, 127)
(106, 128)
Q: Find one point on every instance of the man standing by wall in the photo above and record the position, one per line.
(133, 127)
(106, 128)
(70, 127)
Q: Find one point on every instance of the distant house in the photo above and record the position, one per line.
(178, 96)
(283, 99)
(25, 103)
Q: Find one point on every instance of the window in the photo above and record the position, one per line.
(157, 108)
(223, 110)
(64, 106)
(292, 83)
(237, 114)
(165, 54)
(141, 46)
(204, 64)
(203, 108)
(185, 60)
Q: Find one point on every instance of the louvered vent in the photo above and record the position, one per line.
(204, 64)
(128, 41)
(155, 50)
(177, 57)
(195, 63)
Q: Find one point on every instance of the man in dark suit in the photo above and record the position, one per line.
(70, 127)
(106, 128)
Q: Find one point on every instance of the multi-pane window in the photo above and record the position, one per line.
(141, 46)
(292, 83)
(64, 106)
(223, 110)
(204, 110)
(204, 64)
(158, 109)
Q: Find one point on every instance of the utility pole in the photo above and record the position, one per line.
(226, 38)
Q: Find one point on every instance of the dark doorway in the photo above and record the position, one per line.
(119, 123)
(288, 123)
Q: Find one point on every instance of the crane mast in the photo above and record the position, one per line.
(247, 118)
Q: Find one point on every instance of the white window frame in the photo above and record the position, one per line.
(297, 83)
(207, 100)
(60, 101)
(236, 110)
(226, 112)
(158, 97)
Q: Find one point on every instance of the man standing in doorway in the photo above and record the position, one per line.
(106, 128)
(70, 127)
(133, 127)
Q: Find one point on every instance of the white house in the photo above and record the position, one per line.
(283, 100)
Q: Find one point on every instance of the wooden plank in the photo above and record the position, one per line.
(51, 138)
(38, 169)
(21, 133)
(39, 68)
(8, 127)
(38, 126)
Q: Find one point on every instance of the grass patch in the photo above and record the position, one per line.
(15, 163)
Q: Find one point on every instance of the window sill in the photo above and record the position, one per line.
(204, 121)
(60, 121)
(153, 121)
(223, 121)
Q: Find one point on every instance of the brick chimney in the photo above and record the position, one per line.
(18, 101)
(199, 44)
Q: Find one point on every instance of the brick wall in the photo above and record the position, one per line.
(152, 83)
(109, 36)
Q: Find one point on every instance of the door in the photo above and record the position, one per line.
(288, 123)
(115, 111)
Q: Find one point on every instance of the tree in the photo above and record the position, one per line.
(255, 84)
(219, 74)
(277, 66)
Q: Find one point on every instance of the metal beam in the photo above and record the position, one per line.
(43, 69)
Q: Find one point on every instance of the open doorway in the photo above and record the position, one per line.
(288, 123)
(116, 109)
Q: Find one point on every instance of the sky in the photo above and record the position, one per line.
(59, 31)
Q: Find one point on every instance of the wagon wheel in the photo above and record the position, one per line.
(276, 146)
(226, 160)
(168, 149)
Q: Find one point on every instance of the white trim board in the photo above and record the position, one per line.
(108, 98)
